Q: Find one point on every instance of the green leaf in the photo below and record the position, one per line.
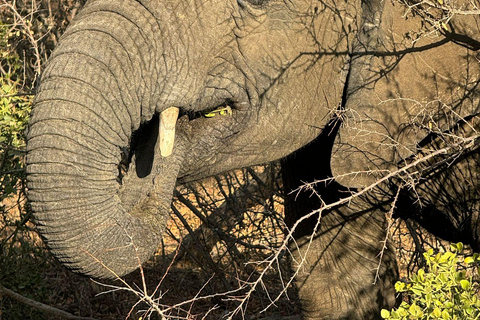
(469, 310)
(385, 314)
(443, 277)
(460, 275)
(465, 284)
(446, 257)
(421, 274)
(437, 313)
(400, 286)
(402, 312)
(456, 247)
(469, 260)
(417, 290)
(459, 247)
(445, 315)
(224, 111)
(415, 310)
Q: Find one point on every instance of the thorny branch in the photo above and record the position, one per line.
(454, 149)
(25, 23)
(438, 14)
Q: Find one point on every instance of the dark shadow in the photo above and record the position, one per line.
(142, 148)
(146, 138)
(309, 164)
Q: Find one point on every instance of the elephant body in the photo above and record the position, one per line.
(119, 63)
(100, 186)
(403, 103)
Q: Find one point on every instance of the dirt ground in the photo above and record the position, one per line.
(201, 257)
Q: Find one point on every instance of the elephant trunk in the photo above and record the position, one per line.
(91, 101)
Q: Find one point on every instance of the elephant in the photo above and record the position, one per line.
(124, 110)
(405, 114)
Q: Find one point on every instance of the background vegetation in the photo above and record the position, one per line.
(444, 289)
(219, 227)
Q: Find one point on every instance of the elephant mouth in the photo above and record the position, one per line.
(157, 137)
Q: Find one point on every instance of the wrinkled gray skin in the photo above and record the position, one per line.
(401, 102)
(282, 66)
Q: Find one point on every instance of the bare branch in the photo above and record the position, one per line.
(40, 306)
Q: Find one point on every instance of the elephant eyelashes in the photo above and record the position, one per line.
(257, 3)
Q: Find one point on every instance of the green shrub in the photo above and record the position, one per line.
(440, 291)
(22, 262)
(14, 115)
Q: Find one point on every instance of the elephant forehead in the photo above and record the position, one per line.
(274, 38)
(408, 91)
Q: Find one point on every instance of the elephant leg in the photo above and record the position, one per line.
(446, 201)
(346, 270)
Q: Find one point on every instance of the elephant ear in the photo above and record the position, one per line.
(409, 81)
(458, 20)
(418, 96)
(465, 31)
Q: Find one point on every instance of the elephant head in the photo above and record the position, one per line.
(128, 77)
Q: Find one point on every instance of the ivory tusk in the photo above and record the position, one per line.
(168, 120)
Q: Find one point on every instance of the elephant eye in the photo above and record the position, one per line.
(257, 3)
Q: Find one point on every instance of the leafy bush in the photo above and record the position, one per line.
(14, 111)
(14, 114)
(440, 291)
(21, 261)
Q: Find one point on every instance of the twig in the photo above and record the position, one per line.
(387, 235)
(39, 305)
